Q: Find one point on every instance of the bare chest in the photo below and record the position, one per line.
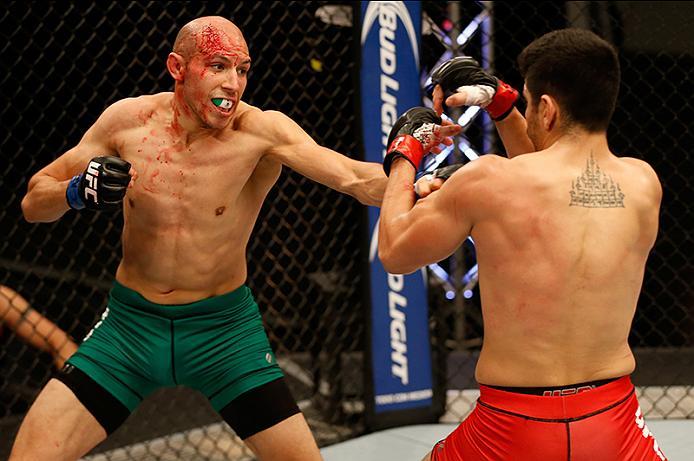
(178, 180)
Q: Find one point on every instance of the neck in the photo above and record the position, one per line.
(578, 139)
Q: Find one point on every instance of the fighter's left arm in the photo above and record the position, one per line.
(413, 234)
(293, 147)
(365, 181)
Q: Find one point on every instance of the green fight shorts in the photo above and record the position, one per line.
(217, 346)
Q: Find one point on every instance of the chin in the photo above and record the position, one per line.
(216, 123)
(221, 124)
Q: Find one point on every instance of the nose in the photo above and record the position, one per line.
(231, 82)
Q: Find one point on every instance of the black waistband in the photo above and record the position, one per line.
(554, 391)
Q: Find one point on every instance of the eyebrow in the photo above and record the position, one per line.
(224, 58)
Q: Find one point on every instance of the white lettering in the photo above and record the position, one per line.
(399, 367)
(641, 424)
(387, 17)
(387, 83)
(385, 399)
(388, 61)
(389, 111)
(388, 22)
(91, 177)
(89, 192)
(398, 329)
(93, 168)
(98, 324)
(396, 282)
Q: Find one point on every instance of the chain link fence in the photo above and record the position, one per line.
(654, 41)
(64, 63)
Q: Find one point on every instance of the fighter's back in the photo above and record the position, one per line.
(562, 238)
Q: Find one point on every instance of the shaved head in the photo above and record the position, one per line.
(208, 35)
(209, 63)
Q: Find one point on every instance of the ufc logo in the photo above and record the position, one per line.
(92, 181)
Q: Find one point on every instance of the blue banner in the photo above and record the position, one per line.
(400, 350)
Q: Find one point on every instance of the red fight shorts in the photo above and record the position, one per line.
(599, 424)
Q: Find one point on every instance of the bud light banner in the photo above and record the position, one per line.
(401, 375)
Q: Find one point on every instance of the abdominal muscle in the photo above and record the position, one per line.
(192, 206)
(185, 254)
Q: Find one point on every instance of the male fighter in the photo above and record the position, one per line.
(562, 235)
(192, 169)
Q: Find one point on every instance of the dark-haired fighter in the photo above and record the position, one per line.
(562, 235)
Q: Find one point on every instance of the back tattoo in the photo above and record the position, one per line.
(595, 189)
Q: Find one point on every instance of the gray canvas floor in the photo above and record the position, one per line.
(408, 443)
(675, 437)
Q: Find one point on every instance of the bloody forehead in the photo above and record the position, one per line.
(212, 41)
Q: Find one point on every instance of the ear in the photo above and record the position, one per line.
(549, 112)
(176, 66)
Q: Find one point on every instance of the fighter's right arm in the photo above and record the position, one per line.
(413, 234)
(45, 200)
(513, 133)
(465, 83)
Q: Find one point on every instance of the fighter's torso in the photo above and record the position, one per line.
(561, 252)
(189, 215)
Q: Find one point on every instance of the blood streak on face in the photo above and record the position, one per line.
(216, 69)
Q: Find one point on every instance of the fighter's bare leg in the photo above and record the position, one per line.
(57, 427)
(289, 440)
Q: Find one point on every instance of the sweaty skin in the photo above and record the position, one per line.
(560, 269)
(201, 171)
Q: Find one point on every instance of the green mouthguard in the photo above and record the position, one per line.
(217, 101)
